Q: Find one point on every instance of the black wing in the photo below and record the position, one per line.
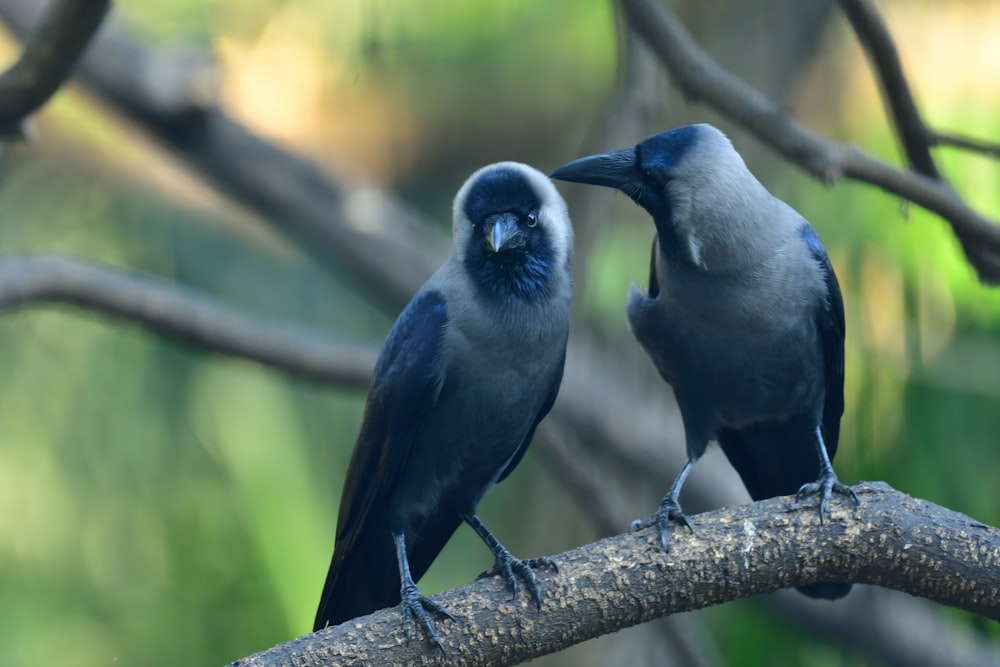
(363, 573)
(832, 330)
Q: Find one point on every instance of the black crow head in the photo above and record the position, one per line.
(693, 183)
(512, 231)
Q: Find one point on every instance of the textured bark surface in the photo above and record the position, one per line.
(891, 540)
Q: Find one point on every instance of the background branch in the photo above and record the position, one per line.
(170, 310)
(964, 142)
(891, 539)
(874, 37)
(48, 57)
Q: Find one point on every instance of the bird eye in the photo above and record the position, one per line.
(532, 218)
(649, 174)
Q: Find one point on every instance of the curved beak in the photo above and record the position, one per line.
(501, 230)
(615, 169)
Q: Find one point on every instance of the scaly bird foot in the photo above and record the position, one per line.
(669, 512)
(510, 568)
(825, 487)
(415, 608)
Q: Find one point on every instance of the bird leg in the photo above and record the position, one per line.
(670, 510)
(415, 605)
(509, 567)
(827, 484)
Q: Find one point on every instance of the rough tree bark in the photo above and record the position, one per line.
(890, 540)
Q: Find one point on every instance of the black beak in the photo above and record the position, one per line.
(615, 169)
(501, 231)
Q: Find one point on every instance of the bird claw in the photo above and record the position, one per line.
(415, 608)
(509, 568)
(668, 513)
(825, 487)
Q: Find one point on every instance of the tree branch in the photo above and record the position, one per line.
(875, 39)
(966, 143)
(48, 58)
(890, 540)
(701, 78)
(184, 316)
(904, 632)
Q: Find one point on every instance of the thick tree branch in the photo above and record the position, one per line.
(890, 540)
(183, 315)
(885, 625)
(48, 58)
(701, 78)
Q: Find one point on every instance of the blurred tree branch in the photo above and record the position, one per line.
(874, 37)
(914, 134)
(341, 228)
(50, 52)
(966, 143)
(170, 310)
(703, 79)
(890, 540)
(385, 249)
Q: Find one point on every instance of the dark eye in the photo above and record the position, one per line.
(649, 175)
(532, 218)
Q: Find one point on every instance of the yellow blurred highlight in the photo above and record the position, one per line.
(10, 48)
(287, 85)
(948, 52)
(948, 49)
(883, 322)
(40, 524)
(277, 81)
(875, 398)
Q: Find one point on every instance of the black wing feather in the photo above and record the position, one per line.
(832, 330)
(404, 387)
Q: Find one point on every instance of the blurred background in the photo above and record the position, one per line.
(163, 505)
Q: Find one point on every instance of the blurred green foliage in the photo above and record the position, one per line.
(166, 506)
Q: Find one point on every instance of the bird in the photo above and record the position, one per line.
(469, 369)
(743, 318)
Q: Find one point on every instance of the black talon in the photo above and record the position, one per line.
(510, 568)
(668, 513)
(825, 487)
(415, 607)
(827, 484)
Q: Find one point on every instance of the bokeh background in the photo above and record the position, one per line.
(162, 505)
